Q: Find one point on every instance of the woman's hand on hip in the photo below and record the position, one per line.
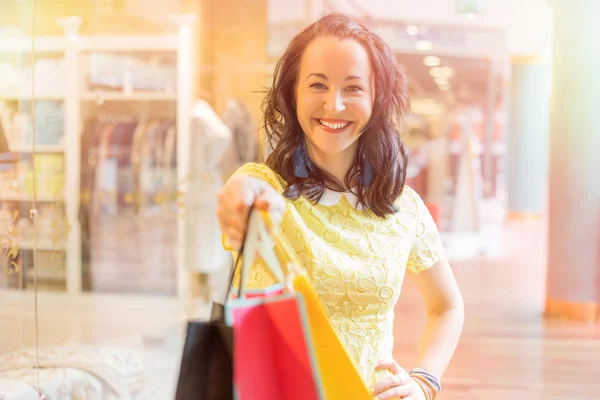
(397, 386)
(235, 200)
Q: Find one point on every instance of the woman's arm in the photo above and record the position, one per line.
(445, 317)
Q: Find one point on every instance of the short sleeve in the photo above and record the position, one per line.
(426, 249)
(260, 276)
(262, 172)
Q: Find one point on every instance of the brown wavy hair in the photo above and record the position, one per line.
(379, 168)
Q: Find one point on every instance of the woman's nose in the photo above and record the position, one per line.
(335, 102)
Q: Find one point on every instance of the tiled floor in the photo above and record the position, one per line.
(507, 351)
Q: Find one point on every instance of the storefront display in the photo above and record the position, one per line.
(108, 233)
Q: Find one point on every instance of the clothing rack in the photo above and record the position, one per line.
(117, 119)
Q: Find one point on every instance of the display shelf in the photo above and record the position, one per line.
(27, 97)
(129, 43)
(29, 199)
(43, 44)
(47, 274)
(39, 148)
(75, 48)
(41, 244)
(133, 96)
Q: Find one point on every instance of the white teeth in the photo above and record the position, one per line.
(338, 125)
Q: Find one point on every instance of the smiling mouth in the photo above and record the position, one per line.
(334, 126)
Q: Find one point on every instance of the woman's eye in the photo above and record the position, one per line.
(318, 86)
(355, 88)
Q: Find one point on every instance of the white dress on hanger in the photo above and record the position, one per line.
(465, 216)
(210, 138)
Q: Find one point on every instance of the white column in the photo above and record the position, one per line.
(185, 93)
(72, 153)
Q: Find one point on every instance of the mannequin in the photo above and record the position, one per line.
(244, 147)
(468, 190)
(210, 138)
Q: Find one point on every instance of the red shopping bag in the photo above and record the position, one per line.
(270, 291)
(271, 356)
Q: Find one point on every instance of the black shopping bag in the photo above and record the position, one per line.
(206, 371)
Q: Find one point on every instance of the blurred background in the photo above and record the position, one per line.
(108, 238)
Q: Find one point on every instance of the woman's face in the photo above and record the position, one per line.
(334, 95)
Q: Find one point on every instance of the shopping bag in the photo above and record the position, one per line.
(270, 291)
(206, 370)
(339, 375)
(272, 355)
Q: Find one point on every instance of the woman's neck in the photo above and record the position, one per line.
(336, 165)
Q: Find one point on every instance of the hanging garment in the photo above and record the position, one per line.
(121, 146)
(138, 136)
(3, 141)
(105, 178)
(122, 239)
(168, 161)
(210, 138)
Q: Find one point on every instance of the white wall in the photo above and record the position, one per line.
(528, 22)
(153, 10)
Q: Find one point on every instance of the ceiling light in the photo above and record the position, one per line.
(441, 72)
(412, 30)
(448, 71)
(441, 80)
(437, 72)
(431, 61)
(423, 45)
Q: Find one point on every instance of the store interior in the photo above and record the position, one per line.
(109, 241)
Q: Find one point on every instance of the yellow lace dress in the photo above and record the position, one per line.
(357, 262)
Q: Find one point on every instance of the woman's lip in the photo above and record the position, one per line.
(334, 121)
(331, 130)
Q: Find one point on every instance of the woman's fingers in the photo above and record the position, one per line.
(391, 365)
(387, 383)
(235, 200)
(397, 392)
(271, 198)
(394, 386)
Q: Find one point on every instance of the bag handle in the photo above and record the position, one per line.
(259, 241)
(293, 267)
(295, 263)
(217, 313)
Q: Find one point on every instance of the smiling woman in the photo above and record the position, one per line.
(333, 115)
(336, 182)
